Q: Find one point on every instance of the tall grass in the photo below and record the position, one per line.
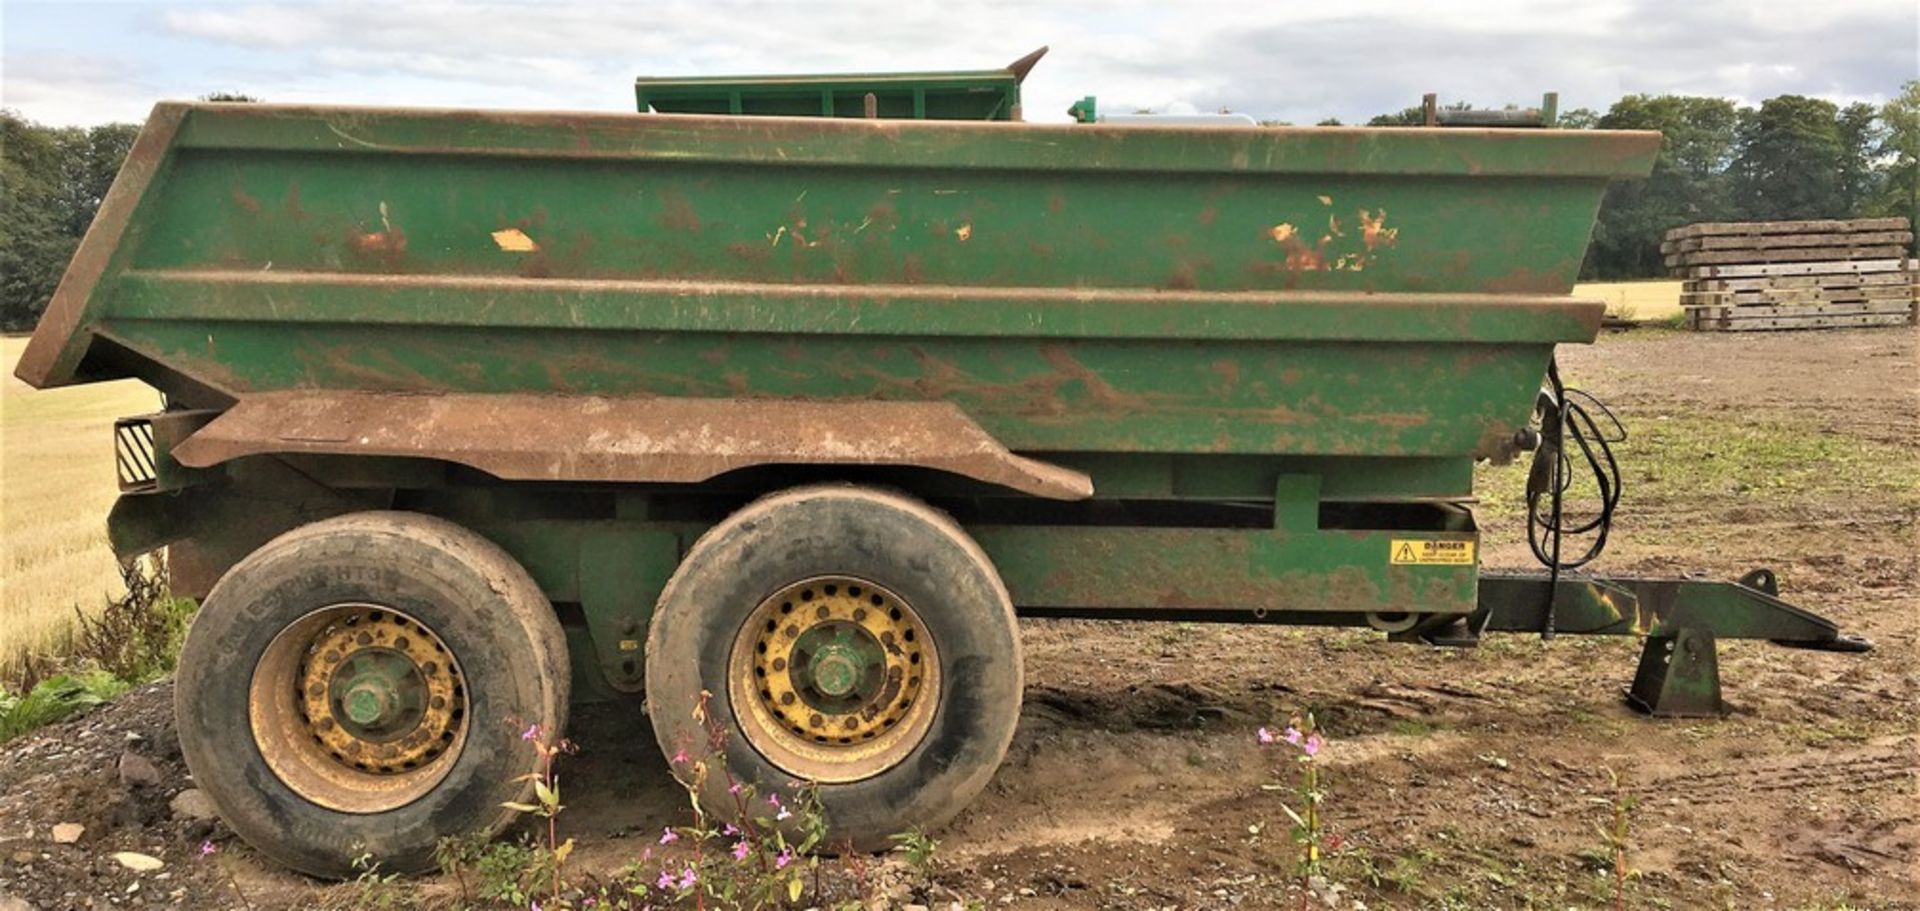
(56, 485)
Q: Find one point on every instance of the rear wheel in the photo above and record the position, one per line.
(361, 685)
(849, 637)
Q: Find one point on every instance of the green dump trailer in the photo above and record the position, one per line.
(472, 415)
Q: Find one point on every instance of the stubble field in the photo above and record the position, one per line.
(56, 485)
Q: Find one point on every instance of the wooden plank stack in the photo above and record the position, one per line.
(1795, 274)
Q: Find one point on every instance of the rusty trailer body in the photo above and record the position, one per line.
(631, 364)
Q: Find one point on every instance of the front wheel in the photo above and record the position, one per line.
(361, 686)
(852, 638)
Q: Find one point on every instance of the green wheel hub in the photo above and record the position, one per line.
(378, 694)
(838, 666)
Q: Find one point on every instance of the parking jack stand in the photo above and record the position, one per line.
(1679, 676)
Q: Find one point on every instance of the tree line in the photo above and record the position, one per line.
(1788, 159)
(1792, 157)
(51, 183)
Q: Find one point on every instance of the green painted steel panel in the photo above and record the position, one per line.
(1201, 569)
(1075, 288)
(947, 95)
(977, 95)
(1266, 291)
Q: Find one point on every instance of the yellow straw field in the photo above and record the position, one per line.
(56, 484)
(1639, 301)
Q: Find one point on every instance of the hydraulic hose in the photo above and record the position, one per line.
(1569, 416)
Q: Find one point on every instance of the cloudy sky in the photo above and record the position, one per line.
(81, 62)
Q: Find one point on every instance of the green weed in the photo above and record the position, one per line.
(376, 890)
(920, 851)
(1310, 839)
(135, 639)
(137, 636)
(1615, 837)
(56, 698)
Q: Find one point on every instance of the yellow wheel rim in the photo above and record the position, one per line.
(834, 679)
(358, 708)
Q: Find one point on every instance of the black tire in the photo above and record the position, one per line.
(472, 596)
(896, 542)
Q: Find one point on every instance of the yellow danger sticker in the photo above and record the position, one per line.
(1429, 552)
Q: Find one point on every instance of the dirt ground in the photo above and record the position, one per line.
(1459, 778)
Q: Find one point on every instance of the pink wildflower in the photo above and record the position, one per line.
(206, 848)
(1293, 736)
(733, 788)
(1263, 735)
(531, 733)
(688, 878)
(680, 756)
(668, 836)
(1313, 744)
(741, 850)
(729, 829)
(785, 857)
(665, 881)
(773, 799)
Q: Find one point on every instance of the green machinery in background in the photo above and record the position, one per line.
(473, 413)
(976, 95)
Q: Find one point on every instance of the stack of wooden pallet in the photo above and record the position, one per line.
(1795, 274)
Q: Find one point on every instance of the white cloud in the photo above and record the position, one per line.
(95, 89)
(1297, 62)
(254, 25)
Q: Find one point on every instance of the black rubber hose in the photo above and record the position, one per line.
(1569, 416)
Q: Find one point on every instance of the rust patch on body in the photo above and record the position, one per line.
(388, 243)
(1321, 255)
(380, 243)
(1227, 370)
(635, 439)
(750, 252)
(539, 265)
(1523, 280)
(1374, 231)
(1400, 420)
(1098, 389)
(677, 214)
(291, 204)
